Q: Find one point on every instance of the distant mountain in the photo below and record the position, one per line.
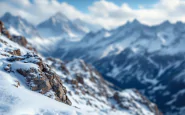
(60, 26)
(165, 38)
(19, 26)
(150, 58)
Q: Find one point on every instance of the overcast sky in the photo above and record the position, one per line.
(108, 13)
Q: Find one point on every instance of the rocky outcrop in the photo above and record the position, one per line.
(15, 52)
(39, 77)
(1, 26)
(21, 40)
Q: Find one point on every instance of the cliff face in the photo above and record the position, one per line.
(25, 77)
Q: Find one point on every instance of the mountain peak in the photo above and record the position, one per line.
(165, 23)
(135, 21)
(7, 15)
(60, 17)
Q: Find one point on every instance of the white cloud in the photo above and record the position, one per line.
(105, 13)
(39, 10)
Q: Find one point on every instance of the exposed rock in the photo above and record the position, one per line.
(20, 40)
(16, 52)
(63, 68)
(2, 41)
(6, 33)
(17, 84)
(15, 58)
(41, 79)
(7, 68)
(79, 79)
(1, 26)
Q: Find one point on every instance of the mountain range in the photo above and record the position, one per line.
(134, 55)
(33, 84)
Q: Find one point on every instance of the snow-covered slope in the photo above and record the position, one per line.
(31, 84)
(19, 26)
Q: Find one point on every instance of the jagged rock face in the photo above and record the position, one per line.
(41, 79)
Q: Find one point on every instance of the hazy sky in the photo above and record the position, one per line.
(108, 13)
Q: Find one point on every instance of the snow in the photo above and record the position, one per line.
(107, 34)
(14, 31)
(175, 96)
(162, 39)
(16, 101)
(134, 49)
(21, 65)
(160, 87)
(107, 51)
(148, 80)
(12, 45)
(115, 71)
